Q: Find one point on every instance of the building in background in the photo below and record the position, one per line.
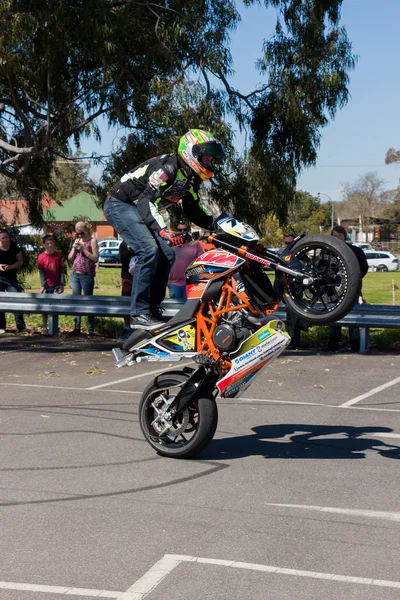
(81, 207)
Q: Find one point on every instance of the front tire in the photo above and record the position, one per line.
(194, 427)
(337, 285)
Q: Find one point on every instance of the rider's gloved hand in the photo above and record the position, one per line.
(171, 237)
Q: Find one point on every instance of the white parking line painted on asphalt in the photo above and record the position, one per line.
(370, 408)
(271, 401)
(293, 402)
(146, 584)
(371, 514)
(161, 569)
(56, 589)
(102, 385)
(61, 387)
(176, 559)
(370, 393)
(385, 435)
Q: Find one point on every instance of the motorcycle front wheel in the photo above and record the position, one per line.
(337, 280)
(193, 427)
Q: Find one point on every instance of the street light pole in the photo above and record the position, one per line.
(333, 208)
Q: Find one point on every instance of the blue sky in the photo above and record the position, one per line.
(357, 140)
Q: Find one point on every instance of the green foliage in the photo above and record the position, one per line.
(272, 233)
(160, 68)
(307, 214)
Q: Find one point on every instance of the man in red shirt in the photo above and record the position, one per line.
(51, 270)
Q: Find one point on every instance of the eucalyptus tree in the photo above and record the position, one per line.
(157, 68)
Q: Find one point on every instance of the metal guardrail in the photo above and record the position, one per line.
(67, 304)
(364, 316)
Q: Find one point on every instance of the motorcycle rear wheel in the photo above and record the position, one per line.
(194, 426)
(338, 280)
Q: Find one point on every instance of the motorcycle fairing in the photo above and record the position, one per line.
(255, 352)
(171, 344)
(238, 229)
(212, 265)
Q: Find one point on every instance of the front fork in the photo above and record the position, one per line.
(203, 376)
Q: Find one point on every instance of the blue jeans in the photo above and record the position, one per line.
(177, 291)
(11, 285)
(155, 257)
(82, 282)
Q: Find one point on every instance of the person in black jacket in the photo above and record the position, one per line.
(335, 333)
(133, 208)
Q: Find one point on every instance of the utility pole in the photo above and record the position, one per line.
(333, 208)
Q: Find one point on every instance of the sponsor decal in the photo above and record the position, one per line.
(245, 356)
(196, 270)
(264, 335)
(263, 261)
(181, 339)
(222, 259)
(158, 178)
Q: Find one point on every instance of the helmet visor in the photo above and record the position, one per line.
(211, 148)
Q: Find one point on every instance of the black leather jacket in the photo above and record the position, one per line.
(149, 184)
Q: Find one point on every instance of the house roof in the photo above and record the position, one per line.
(81, 206)
(15, 212)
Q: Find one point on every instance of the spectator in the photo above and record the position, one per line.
(335, 333)
(84, 255)
(126, 255)
(184, 255)
(51, 271)
(10, 260)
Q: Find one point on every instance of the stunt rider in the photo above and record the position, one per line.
(133, 209)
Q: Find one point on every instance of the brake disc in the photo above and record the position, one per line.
(180, 426)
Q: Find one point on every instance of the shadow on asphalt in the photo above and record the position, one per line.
(291, 441)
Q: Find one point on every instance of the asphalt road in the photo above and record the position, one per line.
(297, 497)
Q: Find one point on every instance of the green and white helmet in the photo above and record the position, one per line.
(197, 144)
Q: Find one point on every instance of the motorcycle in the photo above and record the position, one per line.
(226, 327)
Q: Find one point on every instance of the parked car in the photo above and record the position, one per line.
(102, 244)
(364, 246)
(382, 261)
(109, 257)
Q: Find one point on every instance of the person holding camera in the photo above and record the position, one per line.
(83, 255)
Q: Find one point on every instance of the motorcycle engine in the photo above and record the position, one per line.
(230, 334)
(224, 337)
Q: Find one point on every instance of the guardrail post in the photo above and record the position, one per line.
(364, 340)
(53, 324)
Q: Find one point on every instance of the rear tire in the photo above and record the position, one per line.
(201, 418)
(338, 276)
(382, 268)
